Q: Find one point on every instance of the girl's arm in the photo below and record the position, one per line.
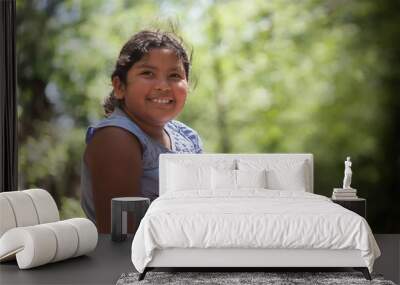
(114, 159)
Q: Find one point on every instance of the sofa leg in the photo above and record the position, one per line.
(364, 271)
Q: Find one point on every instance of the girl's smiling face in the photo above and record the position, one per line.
(156, 88)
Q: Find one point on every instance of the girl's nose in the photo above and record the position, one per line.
(162, 85)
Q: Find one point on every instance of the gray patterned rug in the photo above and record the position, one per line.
(269, 278)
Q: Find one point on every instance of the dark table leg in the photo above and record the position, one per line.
(116, 221)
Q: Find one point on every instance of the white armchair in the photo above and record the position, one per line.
(31, 231)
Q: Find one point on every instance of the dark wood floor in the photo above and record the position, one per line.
(389, 262)
(110, 260)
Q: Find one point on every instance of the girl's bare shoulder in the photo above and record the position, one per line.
(112, 143)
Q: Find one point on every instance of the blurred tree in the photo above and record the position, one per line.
(379, 24)
(35, 45)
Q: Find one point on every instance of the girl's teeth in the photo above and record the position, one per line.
(161, 101)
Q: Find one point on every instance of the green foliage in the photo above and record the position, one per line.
(267, 76)
(71, 208)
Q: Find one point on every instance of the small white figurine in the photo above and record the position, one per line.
(347, 174)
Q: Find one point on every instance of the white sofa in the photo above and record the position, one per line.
(31, 231)
(285, 173)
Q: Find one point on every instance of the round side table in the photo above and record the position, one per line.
(119, 212)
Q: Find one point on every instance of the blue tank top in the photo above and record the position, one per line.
(183, 140)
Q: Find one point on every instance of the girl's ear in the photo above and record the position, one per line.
(119, 88)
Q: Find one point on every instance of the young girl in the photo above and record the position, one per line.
(150, 84)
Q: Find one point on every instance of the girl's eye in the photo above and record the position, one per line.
(176, 76)
(147, 72)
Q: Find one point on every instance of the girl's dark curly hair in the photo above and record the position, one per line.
(134, 49)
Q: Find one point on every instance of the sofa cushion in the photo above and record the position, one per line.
(40, 244)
